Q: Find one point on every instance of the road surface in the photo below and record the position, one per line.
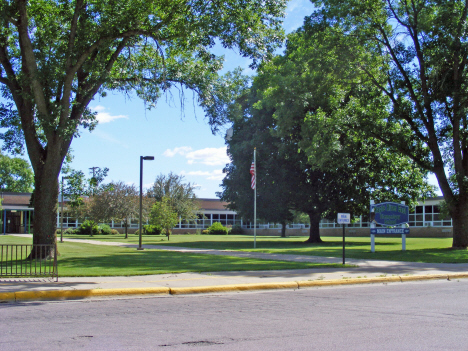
(398, 316)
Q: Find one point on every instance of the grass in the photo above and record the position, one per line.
(430, 250)
(80, 259)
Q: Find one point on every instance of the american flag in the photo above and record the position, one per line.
(252, 172)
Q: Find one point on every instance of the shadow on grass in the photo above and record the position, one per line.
(160, 262)
(266, 244)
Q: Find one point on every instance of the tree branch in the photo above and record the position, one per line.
(29, 61)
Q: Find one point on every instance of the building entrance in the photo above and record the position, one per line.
(13, 222)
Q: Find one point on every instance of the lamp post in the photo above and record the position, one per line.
(146, 158)
(61, 214)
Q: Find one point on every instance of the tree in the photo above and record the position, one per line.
(164, 215)
(281, 115)
(115, 201)
(273, 196)
(56, 56)
(78, 186)
(180, 195)
(415, 55)
(15, 175)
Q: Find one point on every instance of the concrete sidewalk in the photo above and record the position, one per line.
(366, 271)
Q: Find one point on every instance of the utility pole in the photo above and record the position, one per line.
(94, 177)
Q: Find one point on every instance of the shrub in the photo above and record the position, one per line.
(205, 231)
(236, 229)
(89, 227)
(104, 229)
(152, 229)
(114, 231)
(66, 231)
(217, 228)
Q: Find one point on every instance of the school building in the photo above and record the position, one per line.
(425, 221)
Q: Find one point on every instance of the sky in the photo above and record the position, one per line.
(180, 140)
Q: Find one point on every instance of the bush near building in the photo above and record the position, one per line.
(218, 228)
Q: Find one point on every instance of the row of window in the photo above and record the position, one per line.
(423, 216)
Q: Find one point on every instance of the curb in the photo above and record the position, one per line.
(81, 294)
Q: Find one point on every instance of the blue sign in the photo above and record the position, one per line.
(389, 214)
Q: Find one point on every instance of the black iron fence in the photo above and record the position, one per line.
(28, 261)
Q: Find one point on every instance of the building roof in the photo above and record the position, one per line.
(15, 201)
(20, 201)
(212, 204)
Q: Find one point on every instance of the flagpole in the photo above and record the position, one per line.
(255, 199)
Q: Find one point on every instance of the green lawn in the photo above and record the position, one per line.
(431, 250)
(79, 259)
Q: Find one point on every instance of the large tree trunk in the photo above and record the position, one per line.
(460, 225)
(314, 234)
(283, 229)
(47, 163)
(45, 212)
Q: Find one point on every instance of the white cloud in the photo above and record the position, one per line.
(209, 156)
(105, 117)
(213, 175)
(105, 136)
(183, 150)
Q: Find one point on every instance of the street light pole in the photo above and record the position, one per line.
(140, 228)
(61, 215)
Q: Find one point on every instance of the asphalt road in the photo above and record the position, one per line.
(411, 316)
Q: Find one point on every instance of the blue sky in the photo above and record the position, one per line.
(180, 141)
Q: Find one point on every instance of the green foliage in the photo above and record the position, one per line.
(180, 195)
(236, 229)
(16, 175)
(77, 186)
(152, 229)
(89, 227)
(287, 177)
(164, 216)
(114, 232)
(218, 228)
(104, 229)
(414, 102)
(205, 231)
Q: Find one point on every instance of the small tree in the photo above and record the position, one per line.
(115, 201)
(164, 215)
(180, 195)
(78, 189)
(78, 186)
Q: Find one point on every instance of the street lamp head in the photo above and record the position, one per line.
(148, 158)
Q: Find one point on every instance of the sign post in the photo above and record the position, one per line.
(344, 218)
